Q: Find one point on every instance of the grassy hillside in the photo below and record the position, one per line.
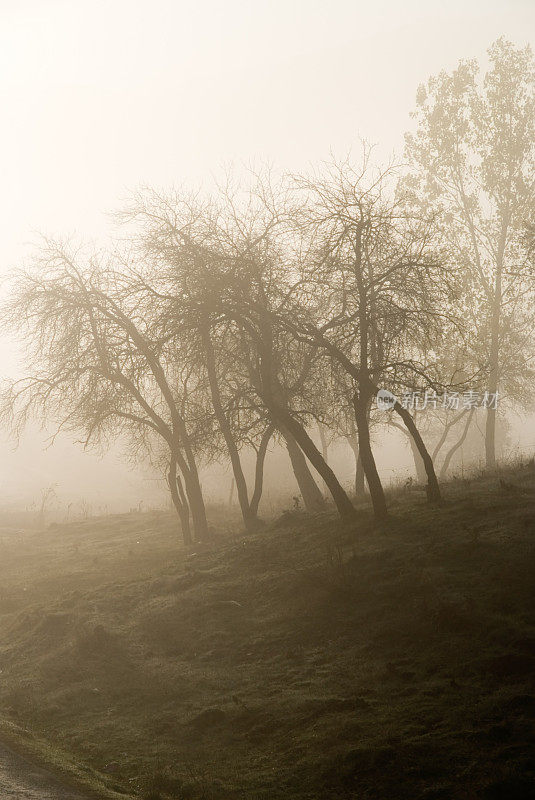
(307, 661)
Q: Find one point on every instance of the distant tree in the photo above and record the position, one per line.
(48, 496)
(97, 367)
(473, 160)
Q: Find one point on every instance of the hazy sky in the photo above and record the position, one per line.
(98, 97)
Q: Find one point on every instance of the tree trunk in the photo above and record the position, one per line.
(179, 501)
(196, 504)
(447, 427)
(341, 500)
(324, 446)
(360, 478)
(490, 422)
(193, 489)
(360, 481)
(249, 517)
(273, 396)
(367, 386)
(419, 467)
(259, 469)
(433, 488)
(231, 493)
(451, 452)
(361, 405)
(310, 492)
(179, 435)
(494, 360)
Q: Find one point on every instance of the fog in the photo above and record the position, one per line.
(267, 428)
(100, 98)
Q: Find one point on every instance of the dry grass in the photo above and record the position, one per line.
(307, 661)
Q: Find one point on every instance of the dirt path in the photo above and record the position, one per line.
(22, 780)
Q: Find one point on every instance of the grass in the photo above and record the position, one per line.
(309, 660)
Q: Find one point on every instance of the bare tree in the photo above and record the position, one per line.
(188, 244)
(96, 367)
(217, 266)
(368, 272)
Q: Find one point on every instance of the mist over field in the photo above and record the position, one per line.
(267, 420)
(102, 100)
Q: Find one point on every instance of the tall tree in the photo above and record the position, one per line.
(370, 296)
(209, 267)
(473, 159)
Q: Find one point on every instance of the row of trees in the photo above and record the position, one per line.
(216, 324)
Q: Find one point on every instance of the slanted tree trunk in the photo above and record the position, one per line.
(273, 396)
(178, 437)
(310, 492)
(361, 405)
(192, 487)
(324, 445)
(179, 501)
(231, 493)
(249, 516)
(419, 466)
(447, 427)
(360, 481)
(451, 452)
(433, 488)
(295, 428)
(259, 468)
(366, 389)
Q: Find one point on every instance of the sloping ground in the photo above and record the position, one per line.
(307, 661)
(22, 780)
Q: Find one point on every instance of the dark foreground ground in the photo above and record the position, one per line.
(307, 661)
(22, 780)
